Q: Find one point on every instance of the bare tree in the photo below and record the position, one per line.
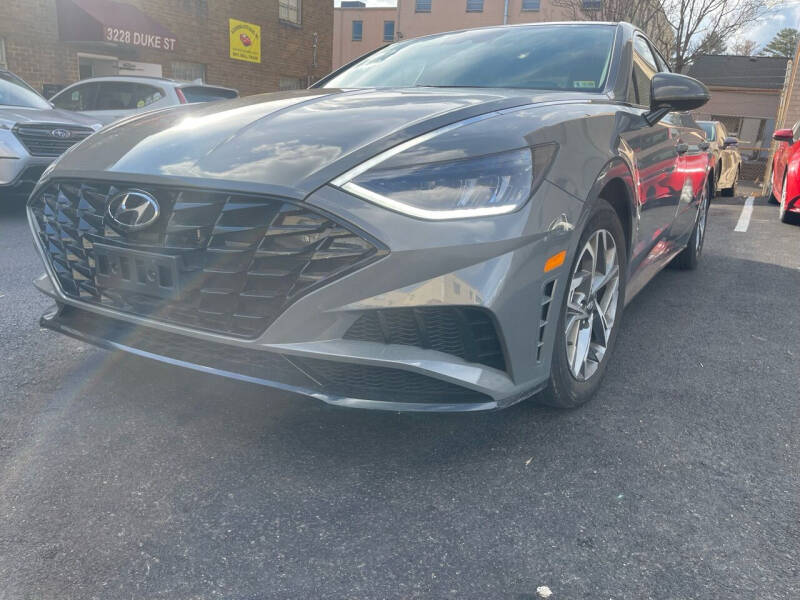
(681, 29)
(647, 14)
(744, 48)
(693, 21)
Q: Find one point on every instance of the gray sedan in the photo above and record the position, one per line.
(411, 234)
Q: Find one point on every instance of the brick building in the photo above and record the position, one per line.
(52, 43)
(358, 28)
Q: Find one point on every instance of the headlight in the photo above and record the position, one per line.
(493, 184)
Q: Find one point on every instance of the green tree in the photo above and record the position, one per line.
(784, 43)
(713, 43)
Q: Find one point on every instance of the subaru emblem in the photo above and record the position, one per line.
(133, 210)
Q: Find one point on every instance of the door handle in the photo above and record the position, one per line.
(681, 148)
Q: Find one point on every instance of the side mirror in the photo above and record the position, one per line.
(677, 92)
(672, 91)
(729, 141)
(783, 135)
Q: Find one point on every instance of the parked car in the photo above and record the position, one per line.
(32, 134)
(410, 234)
(727, 160)
(785, 180)
(108, 99)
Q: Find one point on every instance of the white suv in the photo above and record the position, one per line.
(107, 99)
(32, 134)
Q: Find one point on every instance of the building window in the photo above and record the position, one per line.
(388, 31)
(591, 4)
(187, 71)
(290, 11)
(474, 5)
(290, 83)
(358, 31)
(3, 62)
(531, 4)
(423, 6)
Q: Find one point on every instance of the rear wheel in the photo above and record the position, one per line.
(690, 256)
(770, 193)
(590, 312)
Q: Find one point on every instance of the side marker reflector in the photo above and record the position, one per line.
(555, 261)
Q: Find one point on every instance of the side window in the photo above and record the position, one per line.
(644, 67)
(114, 95)
(81, 97)
(146, 95)
(123, 95)
(663, 67)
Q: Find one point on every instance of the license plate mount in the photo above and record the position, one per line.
(148, 273)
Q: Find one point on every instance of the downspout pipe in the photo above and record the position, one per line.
(505, 13)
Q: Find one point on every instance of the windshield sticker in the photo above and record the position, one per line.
(584, 84)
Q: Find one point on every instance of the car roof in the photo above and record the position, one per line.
(148, 79)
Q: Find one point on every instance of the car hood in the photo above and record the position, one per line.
(19, 115)
(287, 143)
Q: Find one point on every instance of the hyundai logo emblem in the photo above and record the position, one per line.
(133, 210)
(61, 133)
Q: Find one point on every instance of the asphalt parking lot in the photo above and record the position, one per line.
(122, 478)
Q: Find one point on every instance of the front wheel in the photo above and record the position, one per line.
(690, 256)
(590, 313)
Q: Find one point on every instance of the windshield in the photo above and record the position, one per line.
(710, 130)
(553, 57)
(15, 92)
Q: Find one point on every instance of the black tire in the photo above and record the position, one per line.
(689, 257)
(563, 389)
(770, 194)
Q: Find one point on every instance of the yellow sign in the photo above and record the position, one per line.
(245, 41)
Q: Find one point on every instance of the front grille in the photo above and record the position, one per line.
(464, 331)
(238, 260)
(40, 140)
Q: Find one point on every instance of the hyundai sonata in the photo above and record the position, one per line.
(453, 222)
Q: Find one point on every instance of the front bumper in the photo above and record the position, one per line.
(20, 175)
(493, 264)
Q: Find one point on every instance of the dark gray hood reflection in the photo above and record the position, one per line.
(284, 140)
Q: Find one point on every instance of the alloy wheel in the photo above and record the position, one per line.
(592, 304)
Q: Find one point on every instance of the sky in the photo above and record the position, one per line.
(761, 31)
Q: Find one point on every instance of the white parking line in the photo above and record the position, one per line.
(744, 218)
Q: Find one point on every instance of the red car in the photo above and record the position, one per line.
(245, 39)
(786, 172)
